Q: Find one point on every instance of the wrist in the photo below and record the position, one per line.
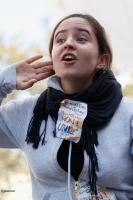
(8, 78)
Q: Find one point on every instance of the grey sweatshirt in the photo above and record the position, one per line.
(49, 180)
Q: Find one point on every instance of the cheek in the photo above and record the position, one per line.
(54, 60)
(91, 56)
(91, 50)
(53, 57)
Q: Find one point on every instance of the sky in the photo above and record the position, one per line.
(23, 18)
(27, 18)
(30, 20)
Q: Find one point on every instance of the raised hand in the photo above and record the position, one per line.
(29, 72)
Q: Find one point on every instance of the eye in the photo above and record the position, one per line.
(82, 39)
(60, 40)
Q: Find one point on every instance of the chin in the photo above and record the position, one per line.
(70, 76)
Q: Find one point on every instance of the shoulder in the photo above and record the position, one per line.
(125, 109)
(126, 103)
(16, 115)
(20, 108)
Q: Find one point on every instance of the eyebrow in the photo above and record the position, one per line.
(83, 30)
(77, 29)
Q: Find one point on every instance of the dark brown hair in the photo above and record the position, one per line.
(99, 31)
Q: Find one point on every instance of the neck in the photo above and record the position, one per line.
(71, 87)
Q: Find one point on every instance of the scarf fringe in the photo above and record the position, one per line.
(36, 138)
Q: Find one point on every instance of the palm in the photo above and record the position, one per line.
(28, 72)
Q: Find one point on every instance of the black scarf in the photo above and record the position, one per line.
(102, 97)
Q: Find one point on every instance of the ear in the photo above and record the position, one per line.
(103, 61)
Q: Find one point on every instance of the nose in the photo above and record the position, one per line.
(69, 44)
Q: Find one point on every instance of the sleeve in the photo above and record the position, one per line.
(7, 84)
(14, 121)
(7, 81)
(14, 115)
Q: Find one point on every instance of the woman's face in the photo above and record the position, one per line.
(75, 52)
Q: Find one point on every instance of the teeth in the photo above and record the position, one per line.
(69, 57)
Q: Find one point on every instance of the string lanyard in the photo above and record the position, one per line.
(69, 171)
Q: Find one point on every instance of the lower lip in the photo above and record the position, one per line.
(69, 62)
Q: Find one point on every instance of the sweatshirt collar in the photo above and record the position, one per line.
(54, 82)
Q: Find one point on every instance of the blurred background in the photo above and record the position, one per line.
(25, 28)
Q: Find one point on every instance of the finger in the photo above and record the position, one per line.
(47, 68)
(42, 64)
(44, 75)
(34, 58)
(28, 84)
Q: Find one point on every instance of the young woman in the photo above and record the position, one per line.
(78, 134)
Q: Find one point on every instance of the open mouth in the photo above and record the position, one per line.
(69, 57)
